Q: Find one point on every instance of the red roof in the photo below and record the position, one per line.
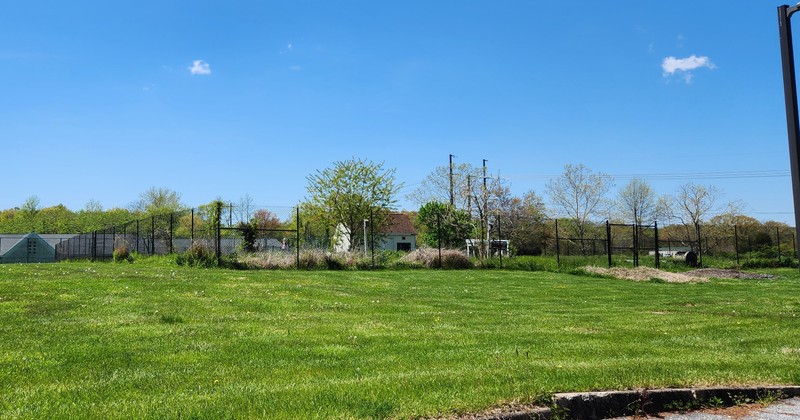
(398, 224)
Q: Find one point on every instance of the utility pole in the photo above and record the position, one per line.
(790, 97)
(452, 198)
(469, 196)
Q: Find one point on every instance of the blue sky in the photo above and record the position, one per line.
(102, 100)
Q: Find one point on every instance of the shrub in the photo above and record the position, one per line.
(198, 255)
(769, 263)
(121, 253)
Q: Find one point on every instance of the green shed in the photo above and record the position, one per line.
(30, 249)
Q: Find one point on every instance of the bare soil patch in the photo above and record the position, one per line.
(720, 273)
(645, 274)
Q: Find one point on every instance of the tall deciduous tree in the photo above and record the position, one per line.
(579, 194)
(693, 205)
(350, 192)
(522, 221)
(157, 201)
(636, 202)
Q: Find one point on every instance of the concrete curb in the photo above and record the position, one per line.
(601, 405)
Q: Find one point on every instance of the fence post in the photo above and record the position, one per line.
(372, 235)
(219, 232)
(94, 245)
(500, 240)
(635, 244)
(191, 234)
(558, 248)
(297, 238)
(171, 232)
(736, 242)
(608, 242)
(439, 237)
(153, 235)
(699, 246)
(658, 253)
(778, 232)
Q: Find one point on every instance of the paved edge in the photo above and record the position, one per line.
(601, 405)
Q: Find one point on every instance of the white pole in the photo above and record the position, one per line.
(365, 236)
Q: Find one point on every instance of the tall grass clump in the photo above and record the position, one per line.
(452, 259)
(198, 255)
(268, 260)
(122, 253)
(316, 259)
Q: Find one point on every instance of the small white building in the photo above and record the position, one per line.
(399, 234)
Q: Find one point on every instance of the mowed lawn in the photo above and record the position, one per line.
(157, 340)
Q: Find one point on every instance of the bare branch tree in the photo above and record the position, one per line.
(693, 205)
(636, 202)
(579, 194)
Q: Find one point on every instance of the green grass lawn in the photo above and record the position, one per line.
(157, 340)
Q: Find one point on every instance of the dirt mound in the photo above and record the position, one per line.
(720, 273)
(645, 274)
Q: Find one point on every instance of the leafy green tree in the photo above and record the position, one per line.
(350, 192)
(57, 219)
(28, 212)
(441, 220)
(158, 201)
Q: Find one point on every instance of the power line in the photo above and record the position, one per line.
(769, 173)
(665, 176)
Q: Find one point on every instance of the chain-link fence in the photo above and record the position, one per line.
(220, 229)
(615, 244)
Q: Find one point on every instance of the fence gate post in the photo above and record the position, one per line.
(658, 253)
(171, 232)
(608, 242)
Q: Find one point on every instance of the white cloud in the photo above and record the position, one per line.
(200, 67)
(684, 66)
(671, 64)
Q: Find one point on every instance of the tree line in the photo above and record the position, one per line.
(342, 198)
(30, 216)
